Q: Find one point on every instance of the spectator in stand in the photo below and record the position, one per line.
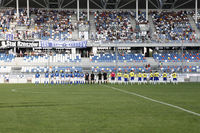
(116, 26)
(172, 26)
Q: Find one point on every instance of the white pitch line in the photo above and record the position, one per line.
(153, 100)
(14, 90)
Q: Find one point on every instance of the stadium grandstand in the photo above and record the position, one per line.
(99, 66)
(163, 34)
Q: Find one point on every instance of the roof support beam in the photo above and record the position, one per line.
(196, 11)
(147, 10)
(161, 4)
(69, 3)
(158, 3)
(88, 10)
(17, 7)
(78, 8)
(28, 9)
(182, 4)
(61, 3)
(103, 3)
(8, 2)
(126, 4)
(39, 3)
(46, 3)
(174, 4)
(117, 4)
(153, 4)
(96, 4)
(137, 10)
(1, 3)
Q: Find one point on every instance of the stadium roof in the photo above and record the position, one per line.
(103, 4)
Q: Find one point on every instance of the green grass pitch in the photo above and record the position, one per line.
(26, 108)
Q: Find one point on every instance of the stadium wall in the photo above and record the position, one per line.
(23, 79)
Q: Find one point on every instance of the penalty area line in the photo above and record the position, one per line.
(153, 100)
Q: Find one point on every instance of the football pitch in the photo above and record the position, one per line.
(26, 108)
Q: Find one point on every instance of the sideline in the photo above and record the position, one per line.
(153, 100)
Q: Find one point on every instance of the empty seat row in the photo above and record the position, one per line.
(174, 57)
(122, 69)
(57, 58)
(6, 57)
(49, 69)
(120, 58)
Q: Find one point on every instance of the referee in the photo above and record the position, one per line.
(92, 78)
(87, 78)
(105, 77)
(99, 78)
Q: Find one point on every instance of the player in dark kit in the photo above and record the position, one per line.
(105, 77)
(92, 78)
(87, 78)
(99, 78)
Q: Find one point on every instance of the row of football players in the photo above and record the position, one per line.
(61, 78)
(143, 77)
(81, 78)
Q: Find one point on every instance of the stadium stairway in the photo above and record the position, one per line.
(152, 26)
(92, 25)
(21, 28)
(150, 60)
(13, 24)
(194, 26)
(75, 34)
(16, 70)
(133, 22)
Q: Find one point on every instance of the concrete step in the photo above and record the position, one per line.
(22, 28)
(133, 22)
(150, 60)
(75, 35)
(152, 26)
(194, 26)
(92, 25)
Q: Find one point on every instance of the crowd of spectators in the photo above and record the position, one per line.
(142, 18)
(83, 20)
(53, 24)
(6, 18)
(116, 26)
(111, 26)
(142, 24)
(42, 24)
(173, 26)
(83, 26)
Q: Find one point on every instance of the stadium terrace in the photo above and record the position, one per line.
(89, 37)
(99, 66)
